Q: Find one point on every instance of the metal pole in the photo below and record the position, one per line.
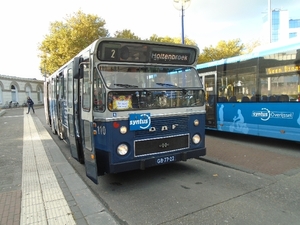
(182, 25)
(270, 19)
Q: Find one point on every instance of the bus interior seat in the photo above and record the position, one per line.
(245, 99)
(284, 98)
(232, 99)
(272, 98)
(277, 98)
(222, 99)
(264, 98)
(253, 98)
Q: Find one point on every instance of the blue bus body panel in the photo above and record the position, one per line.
(277, 120)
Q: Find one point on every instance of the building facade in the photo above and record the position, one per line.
(283, 28)
(15, 90)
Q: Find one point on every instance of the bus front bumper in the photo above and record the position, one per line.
(155, 160)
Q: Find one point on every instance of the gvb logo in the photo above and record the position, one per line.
(139, 121)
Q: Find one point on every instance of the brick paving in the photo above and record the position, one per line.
(10, 207)
(37, 184)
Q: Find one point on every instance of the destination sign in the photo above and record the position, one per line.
(169, 57)
(146, 52)
(282, 69)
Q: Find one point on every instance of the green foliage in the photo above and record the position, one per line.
(221, 51)
(126, 34)
(66, 39)
(249, 47)
(175, 40)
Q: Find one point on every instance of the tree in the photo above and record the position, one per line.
(175, 40)
(249, 47)
(221, 51)
(126, 34)
(66, 39)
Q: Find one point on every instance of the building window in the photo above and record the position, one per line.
(1, 101)
(14, 93)
(293, 35)
(28, 91)
(294, 23)
(39, 94)
(275, 26)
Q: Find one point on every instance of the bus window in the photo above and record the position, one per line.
(99, 93)
(70, 88)
(280, 80)
(86, 99)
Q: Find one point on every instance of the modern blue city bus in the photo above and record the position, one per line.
(255, 94)
(110, 106)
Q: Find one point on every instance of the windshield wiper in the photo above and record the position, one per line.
(172, 85)
(126, 85)
(166, 84)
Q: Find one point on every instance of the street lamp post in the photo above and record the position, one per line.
(182, 5)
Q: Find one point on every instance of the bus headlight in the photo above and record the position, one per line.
(123, 130)
(196, 122)
(196, 139)
(122, 149)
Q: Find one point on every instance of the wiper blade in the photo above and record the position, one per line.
(126, 85)
(172, 85)
(166, 84)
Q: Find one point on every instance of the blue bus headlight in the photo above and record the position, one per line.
(196, 122)
(196, 139)
(122, 149)
(123, 130)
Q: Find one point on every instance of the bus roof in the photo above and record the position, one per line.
(260, 51)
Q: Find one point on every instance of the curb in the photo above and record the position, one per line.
(2, 112)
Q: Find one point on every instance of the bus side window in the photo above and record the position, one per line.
(99, 94)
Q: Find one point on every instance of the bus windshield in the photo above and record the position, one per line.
(149, 77)
(132, 87)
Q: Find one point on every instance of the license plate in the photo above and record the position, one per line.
(165, 159)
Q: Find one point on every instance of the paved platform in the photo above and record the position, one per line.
(50, 191)
(249, 157)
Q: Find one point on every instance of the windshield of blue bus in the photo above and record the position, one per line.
(133, 87)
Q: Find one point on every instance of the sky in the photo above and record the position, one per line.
(24, 24)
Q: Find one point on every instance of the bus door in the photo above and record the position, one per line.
(87, 128)
(61, 107)
(46, 102)
(64, 108)
(53, 105)
(210, 83)
(74, 135)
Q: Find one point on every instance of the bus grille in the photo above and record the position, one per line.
(174, 125)
(159, 145)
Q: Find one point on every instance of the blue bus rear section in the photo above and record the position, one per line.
(255, 94)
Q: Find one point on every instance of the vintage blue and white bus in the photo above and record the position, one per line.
(255, 94)
(124, 104)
